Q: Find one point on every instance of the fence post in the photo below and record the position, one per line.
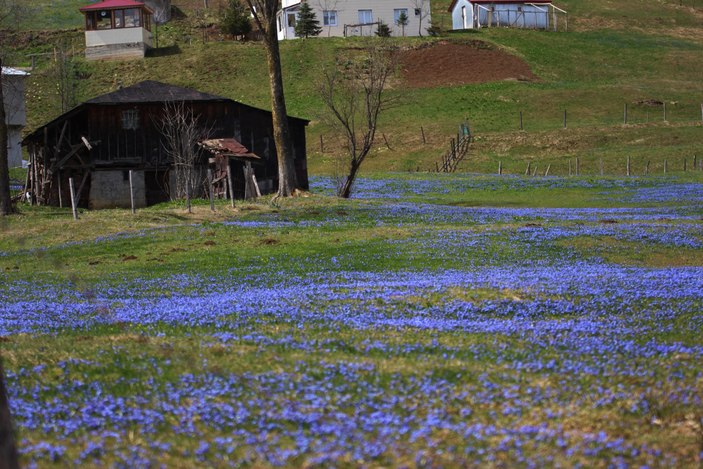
(322, 144)
(230, 184)
(578, 166)
(131, 192)
(527, 171)
(546, 173)
(646, 169)
(665, 165)
(628, 165)
(500, 168)
(422, 131)
(74, 207)
(210, 191)
(569, 166)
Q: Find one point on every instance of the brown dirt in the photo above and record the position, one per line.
(448, 64)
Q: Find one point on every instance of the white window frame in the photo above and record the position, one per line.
(329, 17)
(130, 119)
(364, 14)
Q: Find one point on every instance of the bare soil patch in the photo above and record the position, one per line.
(449, 63)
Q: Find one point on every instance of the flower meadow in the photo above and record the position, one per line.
(389, 333)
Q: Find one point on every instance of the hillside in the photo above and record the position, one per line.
(638, 53)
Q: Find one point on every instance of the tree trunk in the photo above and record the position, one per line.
(5, 202)
(8, 448)
(287, 180)
(345, 190)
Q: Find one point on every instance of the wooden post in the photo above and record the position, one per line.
(578, 166)
(500, 168)
(534, 172)
(422, 131)
(600, 164)
(322, 144)
(230, 183)
(74, 203)
(546, 173)
(628, 165)
(58, 178)
(521, 128)
(188, 195)
(646, 169)
(527, 171)
(210, 191)
(695, 162)
(665, 165)
(625, 115)
(569, 166)
(564, 118)
(131, 191)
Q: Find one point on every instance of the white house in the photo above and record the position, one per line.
(357, 17)
(469, 14)
(117, 29)
(15, 113)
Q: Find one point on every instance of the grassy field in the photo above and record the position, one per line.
(636, 54)
(445, 321)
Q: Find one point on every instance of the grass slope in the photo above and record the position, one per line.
(613, 55)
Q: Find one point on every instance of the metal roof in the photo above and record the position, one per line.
(151, 91)
(115, 4)
(14, 71)
(228, 147)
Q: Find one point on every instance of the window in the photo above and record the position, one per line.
(132, 18)
(119, 18)
(291, 20)
(365, 17)
(418, 11)
(397, 12)
(103, 20)
(130, 119)
(329, 17)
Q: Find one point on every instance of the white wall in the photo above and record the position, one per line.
(105, 37)
(110, 189)
(348, 13)
(15, 112)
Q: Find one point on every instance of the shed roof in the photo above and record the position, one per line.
(14, 71)
(150, 91)
(517, 2)
(229, 147)
(114, 4)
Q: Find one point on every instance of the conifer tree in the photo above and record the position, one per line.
(383, 29)
(307, 23)
(402, 21)
(235, 20)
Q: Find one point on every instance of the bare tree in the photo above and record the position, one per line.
(354, 94)
(422, 11)
(182, 130)
(264, 13)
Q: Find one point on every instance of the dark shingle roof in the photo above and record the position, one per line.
(150, 91)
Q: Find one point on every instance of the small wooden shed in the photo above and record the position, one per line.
(101, 140)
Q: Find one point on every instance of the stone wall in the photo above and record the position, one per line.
(110, 189)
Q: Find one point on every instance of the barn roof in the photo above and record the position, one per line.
(115, 4)
(151, 91)
(517, 2)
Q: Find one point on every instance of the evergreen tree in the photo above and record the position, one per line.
(307, 23)
(383, 29)
(402, 21)
(235, 20)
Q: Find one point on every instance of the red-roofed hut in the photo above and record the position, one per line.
(117, 29)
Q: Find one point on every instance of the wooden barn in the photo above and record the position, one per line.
(101, 140)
